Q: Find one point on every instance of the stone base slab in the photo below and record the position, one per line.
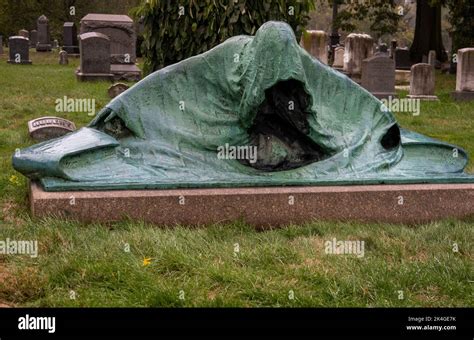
(261, 207)
(23, 62)
(402, 77)
(422, 97)
(94, 76)
(462, 95)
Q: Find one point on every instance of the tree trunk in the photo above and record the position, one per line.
(427, 32)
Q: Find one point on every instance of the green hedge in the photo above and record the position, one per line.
(176, 30)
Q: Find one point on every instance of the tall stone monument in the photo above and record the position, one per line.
(357, 48)
(121, 32)
(378, 76)
(19, 50)
(316, 44)
(70, 43)
(95, 57)
(465, 75)
(422, 82)
(44, 38)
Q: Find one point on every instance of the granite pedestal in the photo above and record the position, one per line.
(261, 207)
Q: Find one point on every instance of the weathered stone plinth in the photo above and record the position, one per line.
(261, 207)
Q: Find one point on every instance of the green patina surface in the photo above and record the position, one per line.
(179, 116)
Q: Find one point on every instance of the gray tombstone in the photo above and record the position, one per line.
(316, 44)
(95, 57)
(55, 43)
(422, 82)
(45, 128)
(44, 39)
(1, 44)
(63, 58)
(19, 50)
(116, 89)
(121, 31)
(402, 59)
(71, 45)
(33, 38)
(378, 76)
(24, 33)
(432, 58)
(338, 58)
(465, 75)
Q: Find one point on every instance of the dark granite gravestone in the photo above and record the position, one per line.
(116, 89)
(402, 59)
(63, 58)
(465, 75)
(33, 38)
(45, 128)
(378, 76)
(95, 57)
(24, 33)
(422, 82)
(71, 45)
(19, 50)
(121, 31)
(44, 39)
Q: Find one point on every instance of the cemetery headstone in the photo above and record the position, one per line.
(55, 43)
(19, 50)
(338, 58)
(316, 44)
(465, 75)
(33, 38)
(121, 31)
(63, 58)
(71, 45)
(24, 33)
(393, 48)
(116, 89)
(378, 76)
(45, 128)
(44, 39)
(95, 57)
(432, 58)
(402, 59)
(422, 82)
(1, 44)
(357, 48)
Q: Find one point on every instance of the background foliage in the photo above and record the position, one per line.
(171, 36)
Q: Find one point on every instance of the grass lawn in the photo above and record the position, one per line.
(98, 265)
